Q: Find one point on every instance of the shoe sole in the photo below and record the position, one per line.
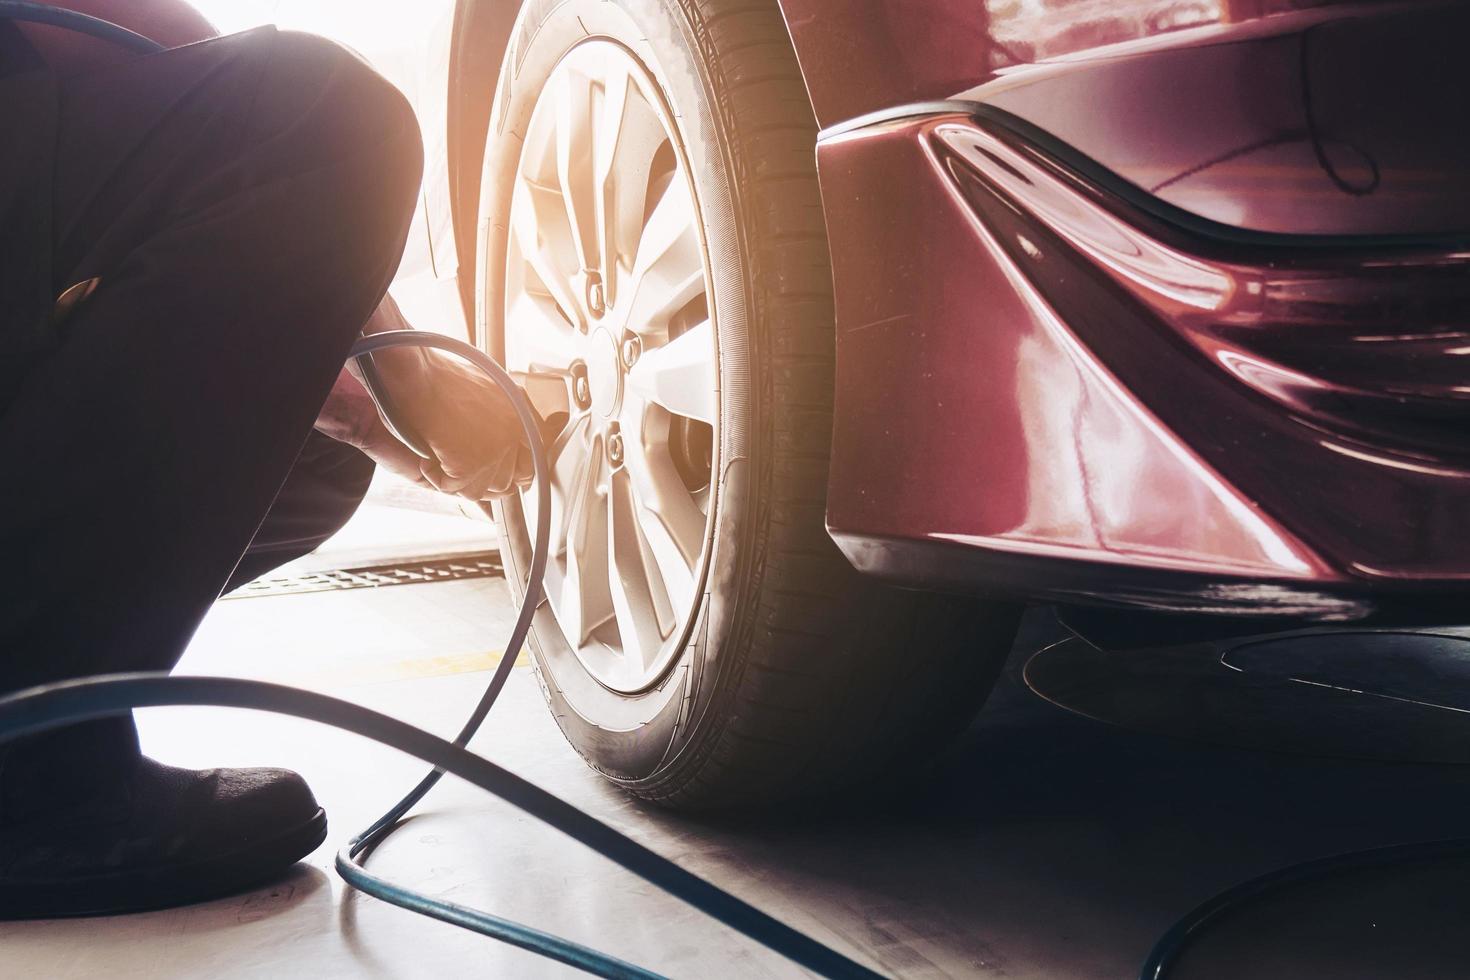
(162, 887)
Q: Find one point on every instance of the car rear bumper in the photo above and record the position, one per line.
(1049, 384)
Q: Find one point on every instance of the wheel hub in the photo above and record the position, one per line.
(605, 374)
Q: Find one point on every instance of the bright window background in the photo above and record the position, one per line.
(236, 15)
(368, 25)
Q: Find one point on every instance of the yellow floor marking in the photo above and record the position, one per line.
(447, 665)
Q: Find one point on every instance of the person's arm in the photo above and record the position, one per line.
(350, 416)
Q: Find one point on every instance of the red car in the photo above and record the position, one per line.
(864, 321)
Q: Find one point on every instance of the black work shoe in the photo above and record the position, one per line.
(150, 837)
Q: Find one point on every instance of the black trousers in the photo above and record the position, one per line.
(245, 202)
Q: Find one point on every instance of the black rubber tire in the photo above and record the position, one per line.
(800, 677)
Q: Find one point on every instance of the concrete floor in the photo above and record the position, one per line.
(1048, 846)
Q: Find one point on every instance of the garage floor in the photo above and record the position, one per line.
(1049, 846)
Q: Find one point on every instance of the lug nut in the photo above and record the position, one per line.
(632, 349)
(615, 447)
(596, 295)
(581, 388)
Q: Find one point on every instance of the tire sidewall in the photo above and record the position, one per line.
(643, 739)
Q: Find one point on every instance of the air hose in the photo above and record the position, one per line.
(55, 705)
(1166, 954)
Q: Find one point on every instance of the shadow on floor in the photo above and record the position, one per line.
(1052, 845)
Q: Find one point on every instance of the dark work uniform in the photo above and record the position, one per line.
(245, 203)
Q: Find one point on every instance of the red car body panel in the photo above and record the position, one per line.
(1015, 440)
(1111, 330)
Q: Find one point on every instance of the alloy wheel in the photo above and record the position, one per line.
(608, 314)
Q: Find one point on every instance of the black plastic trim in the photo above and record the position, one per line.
(949, 566)
(1112, 592)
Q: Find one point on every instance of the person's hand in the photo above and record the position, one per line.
(470, 427)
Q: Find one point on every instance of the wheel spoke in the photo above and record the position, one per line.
(538, 339)
(583, 601)
(680, 375)
(609, 132)
(628, 140)
(549, 393)
(571, 469)
(640, 604)
(671, 521)
(542, 238)
(574, 163)
(669, 270)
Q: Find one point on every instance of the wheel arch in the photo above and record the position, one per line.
(481, 35)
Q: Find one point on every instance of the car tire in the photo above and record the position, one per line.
(792, 676)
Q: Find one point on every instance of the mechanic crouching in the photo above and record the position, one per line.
(190, 243)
